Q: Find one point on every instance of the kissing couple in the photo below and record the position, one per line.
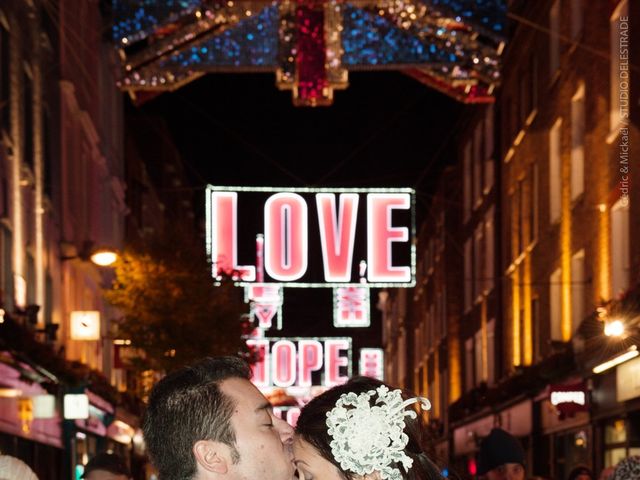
(209, 422)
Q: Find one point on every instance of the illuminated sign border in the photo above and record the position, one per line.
(412, 229)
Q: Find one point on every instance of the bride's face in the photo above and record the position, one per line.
(311, 465)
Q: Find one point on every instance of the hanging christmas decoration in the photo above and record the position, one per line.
(453, 46)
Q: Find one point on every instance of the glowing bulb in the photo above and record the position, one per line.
(614, 328)
(104, 258)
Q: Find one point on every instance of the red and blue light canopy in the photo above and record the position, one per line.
(311, 45)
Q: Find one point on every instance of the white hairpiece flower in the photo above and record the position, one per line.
(368, 438)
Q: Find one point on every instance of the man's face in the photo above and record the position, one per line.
(263, 441)
(104, 475)
(508, 471)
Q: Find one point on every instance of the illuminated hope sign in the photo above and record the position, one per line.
(312, 237)
(286, 362)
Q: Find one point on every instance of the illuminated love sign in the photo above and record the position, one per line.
(301, 362)
(312, 237)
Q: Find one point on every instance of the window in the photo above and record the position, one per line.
(555, 172)
(488, 148)
(468, 275)
(4, 188)
(467, 194)
(507, 138)
(577, 290)
(479, 364)
(534, 81)
(533, 202)
(555, 304)
(28, 116)
(576, 18)
(477, 164)
(535, 327)
(468, 364)
(489, 250)
(491, 351)
(521, 216)
(622, 10)
(554, 39)
(5, 63)
(48, 305)
(508, 238)
(525, 97)
(577, 143)
(620, 264)
(6, 269)
(31, 280)
(478, 258)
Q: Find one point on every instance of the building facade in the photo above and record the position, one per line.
(545, 229)
(62, 196)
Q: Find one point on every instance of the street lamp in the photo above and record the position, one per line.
(614, 328)
(102, 256)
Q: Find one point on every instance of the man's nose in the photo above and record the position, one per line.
(285, 430)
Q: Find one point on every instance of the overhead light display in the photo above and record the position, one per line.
(311, 45)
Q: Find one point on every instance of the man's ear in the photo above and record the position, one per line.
(212, 457)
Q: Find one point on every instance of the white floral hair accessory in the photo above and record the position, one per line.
(368, 438)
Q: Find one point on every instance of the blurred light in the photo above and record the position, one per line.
(104, 257)
(628, 355)
(44, 406)
(85, 325)
(76, 406)
(10, 393)
(472, 468)
(614, 328)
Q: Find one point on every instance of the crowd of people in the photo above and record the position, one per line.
(209, 422)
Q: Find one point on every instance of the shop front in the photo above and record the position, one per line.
(515, 419)
(30, 424)
(616, 413)
(565, 439)
(87, 435)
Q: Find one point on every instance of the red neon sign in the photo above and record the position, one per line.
(371, 363)
(351, 307)
(298, 247)
(294, 362)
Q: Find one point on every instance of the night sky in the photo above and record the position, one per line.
(385, 130)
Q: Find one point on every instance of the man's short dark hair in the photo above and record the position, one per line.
(187, 406)
(109, 462)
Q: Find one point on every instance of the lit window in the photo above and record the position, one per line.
(620, 264)
(555, 171)
(555, 302)
(577, 143)
(554, 38)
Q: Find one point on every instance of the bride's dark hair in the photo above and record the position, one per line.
(312, 427)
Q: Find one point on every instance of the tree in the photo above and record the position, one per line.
(173, 313)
